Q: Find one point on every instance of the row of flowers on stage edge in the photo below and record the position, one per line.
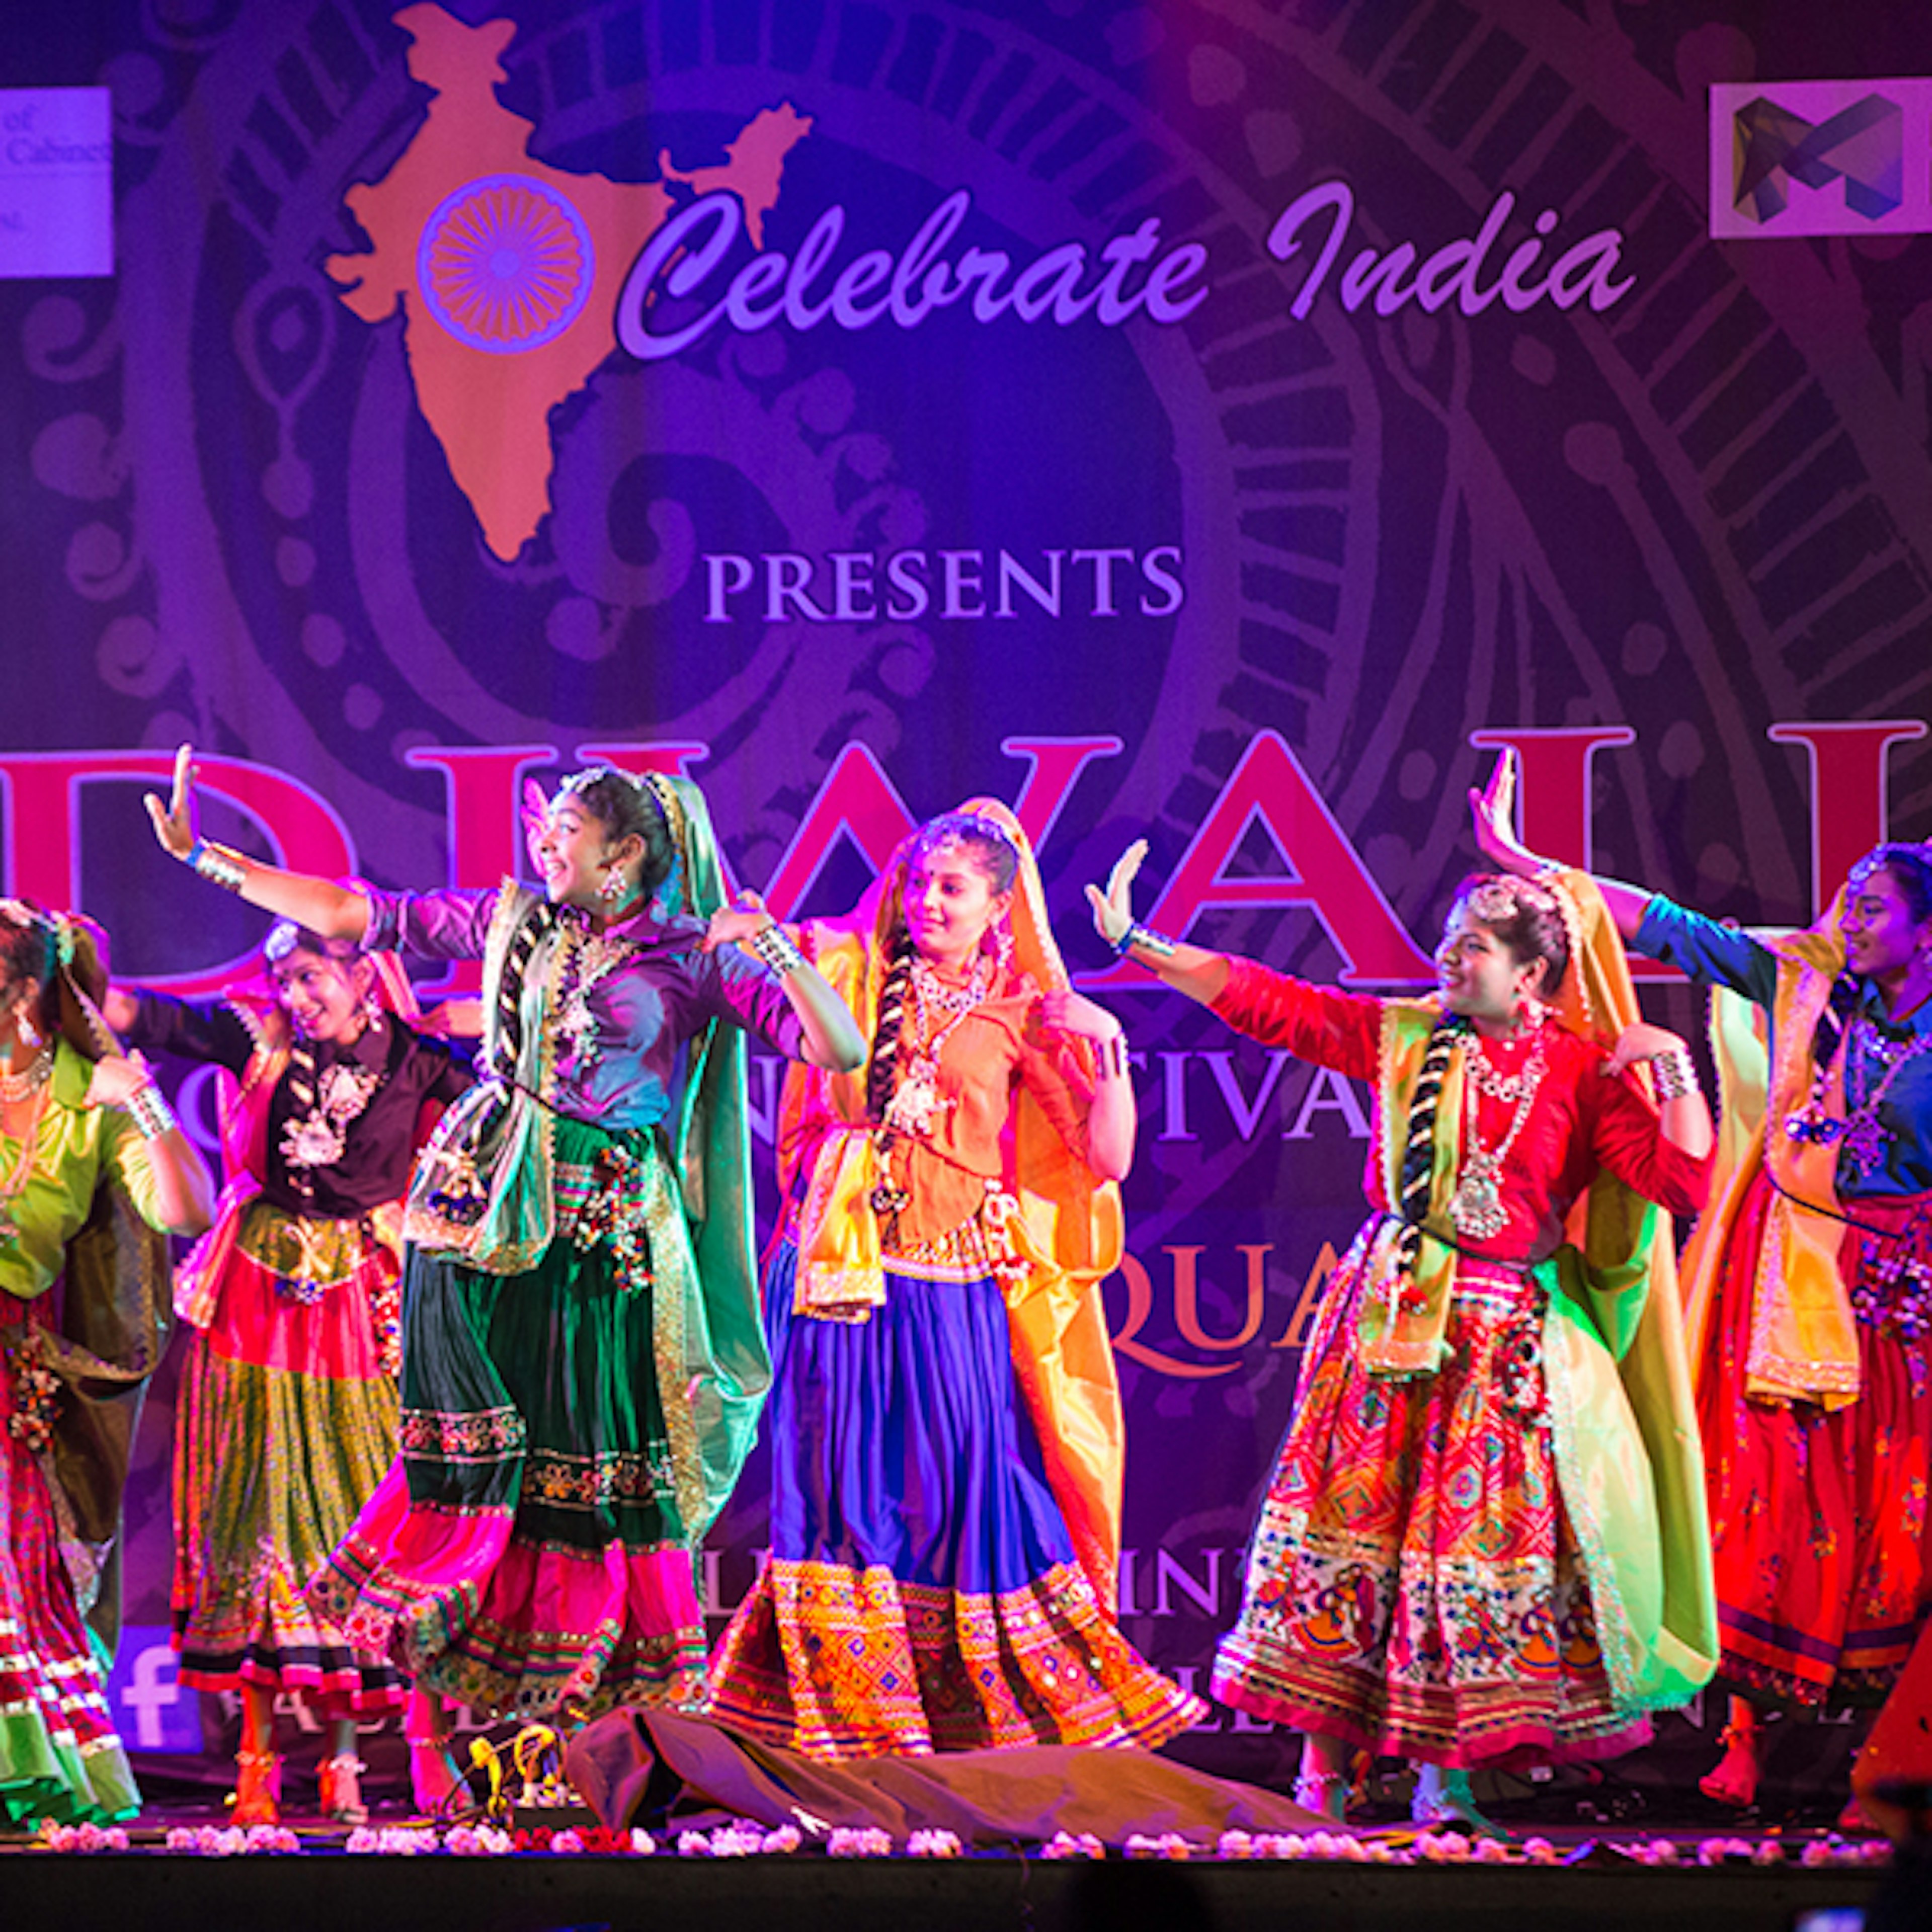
(745, 1839)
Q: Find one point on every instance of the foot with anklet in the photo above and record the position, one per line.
(1443, 1798)
(1733, 1782)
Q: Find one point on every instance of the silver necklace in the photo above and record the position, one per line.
(1477, 1205)
(1864, 1136)
(15, 1087)
(916, 1103)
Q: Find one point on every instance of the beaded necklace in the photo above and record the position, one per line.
(916, 1103)
(1864, 1136)
(17, 1176)
(1477, 1205)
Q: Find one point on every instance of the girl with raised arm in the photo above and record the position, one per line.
(286, 1416)
(1483, 1542)
(1809, 1282)
(94, 1169)
(946, 1427)
(583, 1365)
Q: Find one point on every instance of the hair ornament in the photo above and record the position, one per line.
(1883, 854)
(1501, 895)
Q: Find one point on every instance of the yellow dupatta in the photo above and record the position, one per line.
(1804, 1339)
(1068, 1231)
(1628, 1455)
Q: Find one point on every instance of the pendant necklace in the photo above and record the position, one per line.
(1477, 1205)
(1864, 1136)
(916, 1103)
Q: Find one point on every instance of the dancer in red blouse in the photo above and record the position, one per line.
(1475, 1549)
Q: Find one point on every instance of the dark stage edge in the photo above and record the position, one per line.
(329, 1891)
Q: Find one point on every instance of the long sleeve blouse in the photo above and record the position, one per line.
(1721, 955)
(399, 1071)
(74, 1145)
(619, 1003)
(1583, 1118)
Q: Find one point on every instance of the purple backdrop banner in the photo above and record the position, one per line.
(1218, 422)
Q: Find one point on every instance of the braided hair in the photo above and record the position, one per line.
(1418, 1147)
(882, 1067)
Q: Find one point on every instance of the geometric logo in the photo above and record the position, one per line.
(1821, 157)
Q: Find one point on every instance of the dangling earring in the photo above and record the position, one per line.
(29, 1034)
(372, 1012)
(612, 888)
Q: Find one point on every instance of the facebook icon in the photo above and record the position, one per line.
(151, 1711)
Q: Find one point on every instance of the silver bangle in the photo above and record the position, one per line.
(1146, 939)
(774, 950)
(148, 1108)
(218, 866)
(1674, 1075)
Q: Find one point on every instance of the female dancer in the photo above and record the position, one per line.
(286, 1418)
(942, 1555)
(1810, 1286)
(582, 1364)
(86, 1144)
(1479, 1545)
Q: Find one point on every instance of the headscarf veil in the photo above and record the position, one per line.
(1068, 1230)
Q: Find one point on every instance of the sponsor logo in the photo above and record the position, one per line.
(1820, 157)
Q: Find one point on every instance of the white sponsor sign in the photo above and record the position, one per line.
(56, 181)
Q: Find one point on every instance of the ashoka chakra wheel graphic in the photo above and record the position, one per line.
(506, 264)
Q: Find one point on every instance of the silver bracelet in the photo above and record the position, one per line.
(218, 866)
(774, 950)
(148, 1108)
(1146, 939)
(1676, 1076)
(1112, 1056)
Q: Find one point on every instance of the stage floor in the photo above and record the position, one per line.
(1602, 1882)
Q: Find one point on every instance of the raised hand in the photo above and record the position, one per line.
(734, 924)
(1113, 909)
(1066, 1011)
(174, 823)
(1641, 1041)
(115, 1077)
(535, 814)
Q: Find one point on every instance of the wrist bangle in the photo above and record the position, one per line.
(1676, 1077)
(147, 1107)
(216, 865)
(1112, 1057)
(774, 950)
(1148, 941)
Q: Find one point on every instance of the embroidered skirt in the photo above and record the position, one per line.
(1414, 1585)
(59, 1756)
(285, 1422)
(921, 1594)
(527, 1546)
(1819, 1530)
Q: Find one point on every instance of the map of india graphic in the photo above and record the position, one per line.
(507, 272)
